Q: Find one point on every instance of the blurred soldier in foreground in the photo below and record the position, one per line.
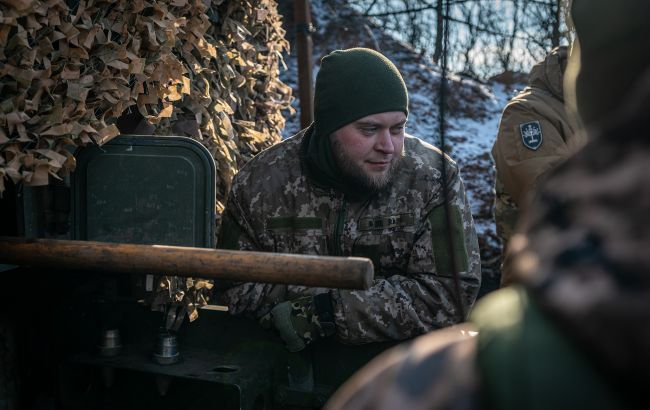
(354, 184)
(577, 335)
(536, 133)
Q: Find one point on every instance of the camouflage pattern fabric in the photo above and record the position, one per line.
(435, 371)
(273, 207)
(510, 357)
(297, 322)
(584, 259)
(519, 164)
(585, 256)
(582, 256)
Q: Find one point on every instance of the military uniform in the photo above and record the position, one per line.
(535, 134)
(275, 206)
(510, 357)
(576, 334)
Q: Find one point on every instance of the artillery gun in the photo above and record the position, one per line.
(77, 329)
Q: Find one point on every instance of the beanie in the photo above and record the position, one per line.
(352, 84)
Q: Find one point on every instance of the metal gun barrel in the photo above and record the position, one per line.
(239, 266)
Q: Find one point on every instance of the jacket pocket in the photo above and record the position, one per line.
(298, 235)
(389, 250)
(304, 243)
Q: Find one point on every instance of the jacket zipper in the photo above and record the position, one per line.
(338, 231)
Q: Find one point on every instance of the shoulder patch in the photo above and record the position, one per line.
(531, 134)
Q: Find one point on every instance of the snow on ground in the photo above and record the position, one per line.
(472, 111)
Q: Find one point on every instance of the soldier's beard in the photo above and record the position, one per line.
(359, 177)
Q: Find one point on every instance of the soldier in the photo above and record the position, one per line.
(536, 133)
(576, 335)
(354, 184)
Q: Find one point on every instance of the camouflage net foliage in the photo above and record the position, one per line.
(207, 69)
(69, 69)
(188, 293)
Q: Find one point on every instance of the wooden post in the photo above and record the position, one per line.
(302, 17)
(239, 266)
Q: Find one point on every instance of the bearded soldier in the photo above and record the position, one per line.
(354, 184)
(575, 334)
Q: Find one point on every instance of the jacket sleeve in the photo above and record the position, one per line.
(236, 233)
(519, 167)
(249, 299)
(424, 297)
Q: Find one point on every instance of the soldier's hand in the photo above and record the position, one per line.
(301, 321)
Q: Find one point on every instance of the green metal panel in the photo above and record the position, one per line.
(147, 190)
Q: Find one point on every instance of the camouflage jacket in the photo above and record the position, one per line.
(510, 356)
(274, 207)
(435, 371)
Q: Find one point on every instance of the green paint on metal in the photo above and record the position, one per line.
(145, 190)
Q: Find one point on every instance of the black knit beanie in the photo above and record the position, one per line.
(351, 84)
(354, 83)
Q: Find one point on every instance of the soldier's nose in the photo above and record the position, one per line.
(384, 142)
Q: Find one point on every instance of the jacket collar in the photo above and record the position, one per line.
(320, 167)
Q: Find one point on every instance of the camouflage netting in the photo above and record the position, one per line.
(69, 69)
(205, 69)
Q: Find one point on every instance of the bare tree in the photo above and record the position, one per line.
(468, 11)
(505, 54)
(544, 26)
(485, 36)
(437, 50)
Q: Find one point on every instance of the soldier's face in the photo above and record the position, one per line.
(368, 150)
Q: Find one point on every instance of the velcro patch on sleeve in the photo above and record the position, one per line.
(531, 134)
(443, 230)
(280, 223)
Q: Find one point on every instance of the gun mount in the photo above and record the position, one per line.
(75, 311)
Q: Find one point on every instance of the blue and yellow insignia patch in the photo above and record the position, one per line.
(531, 134)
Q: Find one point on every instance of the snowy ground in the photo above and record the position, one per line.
(472, 113)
